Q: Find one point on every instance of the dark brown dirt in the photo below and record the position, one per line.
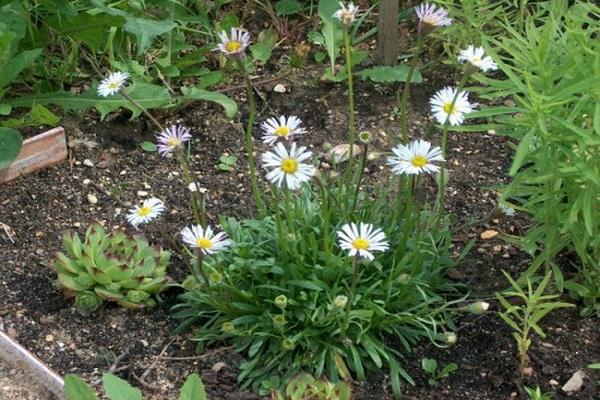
(39, 207)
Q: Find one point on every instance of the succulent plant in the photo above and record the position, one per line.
(110, 267)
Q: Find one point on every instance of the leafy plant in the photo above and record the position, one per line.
(116, 388)
(524, 318)
(537, 394)
(227, 162)
(10, 146)
(110, 267)
(550, 67)
(305, 387)
(430, 366)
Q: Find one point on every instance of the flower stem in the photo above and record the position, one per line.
(260, 206)
(363, 162)
(143, 109)
(351, 111)
(444, 142)
(406, 92)
(351, 295)
(197, 207)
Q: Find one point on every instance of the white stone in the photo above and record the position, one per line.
(142, 193)
(86, 181)
(575, 382)
(92, 199)
(279, 88)
(88, 163)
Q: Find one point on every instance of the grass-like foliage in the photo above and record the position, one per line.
(287, 296)
(552, 70)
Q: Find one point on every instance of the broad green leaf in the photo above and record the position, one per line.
(16, 64)
(288, 7)
(10, 146)
(148, 146)
(92, 30)
(148, 95)
(193, 389)
(429, 365)
(118, 389)
(146, 30)
(387, 73)
(76, 389)
(194, 93)
(332, 32)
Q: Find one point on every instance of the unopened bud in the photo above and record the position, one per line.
(287, 344)
(279, 320)
(340, 301)
(228, 327)
(365, 137)
(449, 338)
(281, 301)
(479, 307)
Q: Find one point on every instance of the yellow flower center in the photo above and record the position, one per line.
(289, 165)
(233, 46)
(360, 243)
(418, 161)
(204, 243)
(113, 85)
(282, 131)
(475, 60)
(173, 142)
(144, 211)
(449, 108)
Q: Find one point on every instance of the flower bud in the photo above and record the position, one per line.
(228, 327)
(448, 338)
(287, 344)
(479, 307)
(340, 301)
(215, 277)
(281, 301)
(279, 320)
(365, 137)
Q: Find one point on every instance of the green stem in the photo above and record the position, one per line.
(142, 109)
(444, 143)
(363, 162)
(260, 206)
(351, 112)
(351, 295)
(197, 207)
(406, 92)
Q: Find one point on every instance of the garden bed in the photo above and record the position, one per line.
(36, 209)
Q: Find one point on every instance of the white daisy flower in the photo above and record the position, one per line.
(288, 166)
(416, 158)
(235, 44)
(149, 210)
(442, 107)
(172, 138)
(346, 15)
(475, 56)
(112, 84)
(205, 239)
(361, 240)
(284, 128)
(432, 15)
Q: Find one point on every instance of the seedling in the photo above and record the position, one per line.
(524, 318)
(227, 162)
(430, 366)
(537, 394)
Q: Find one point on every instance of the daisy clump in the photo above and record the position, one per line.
(281, 128)
(361, 240)
(172, 139)
(415, 158)
(450, 105)
(346, 14)
(112, 84)
(431, 16)
(288, 166)
(149, 210)
(206, 240)
(234, 45)
(475, 56)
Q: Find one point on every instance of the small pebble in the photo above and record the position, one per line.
(92, 199)
(86, 181)
(279, 88)
(142, 193)
(88, 163)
